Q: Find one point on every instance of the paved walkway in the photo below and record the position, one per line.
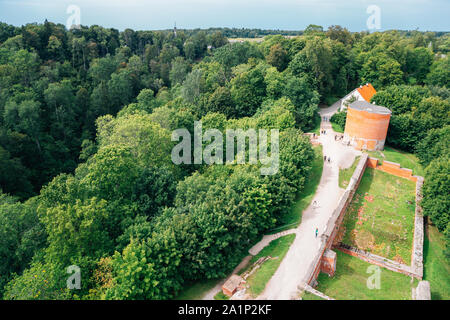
(292, 270)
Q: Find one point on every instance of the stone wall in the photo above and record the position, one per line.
(332, 227)
(322, 261)
(417, 252)
(392, 168)
(378, 260)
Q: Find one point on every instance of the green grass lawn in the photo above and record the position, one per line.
(294, 216)
(316, 128)
(277, 249)
(221, 296)
(196, 291)
(406, 160)
(310, 296)
(336, 127)
(346, 174)
(350, 282)
(436, 266)
(380, 218)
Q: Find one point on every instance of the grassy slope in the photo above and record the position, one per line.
(406, 160)
(436, 266)
(277, 249)
(346, 174)
(380, 218)
(197, 290)
(350, 282)
(293, 218)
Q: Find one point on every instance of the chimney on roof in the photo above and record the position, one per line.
(367, 84)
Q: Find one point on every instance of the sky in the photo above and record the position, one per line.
(424, 15)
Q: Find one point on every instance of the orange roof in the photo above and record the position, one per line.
(367, 91)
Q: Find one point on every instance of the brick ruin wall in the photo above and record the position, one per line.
(327, 238)
(392, 168)
(334, 222)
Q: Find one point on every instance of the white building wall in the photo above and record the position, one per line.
(354, 93)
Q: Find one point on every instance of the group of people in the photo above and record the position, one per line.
(325, 158)
(338, 137)
(323, 131)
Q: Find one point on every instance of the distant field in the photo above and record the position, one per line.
(380, 218)
(350, 282)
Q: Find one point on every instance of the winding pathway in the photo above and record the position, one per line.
(292, 270)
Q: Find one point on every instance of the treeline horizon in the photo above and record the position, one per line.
(248, 32)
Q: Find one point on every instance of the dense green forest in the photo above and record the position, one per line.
(86, 117)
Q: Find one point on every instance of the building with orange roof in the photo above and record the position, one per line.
(366, 126)
(363, 93)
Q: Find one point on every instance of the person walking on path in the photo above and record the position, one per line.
(317, 232)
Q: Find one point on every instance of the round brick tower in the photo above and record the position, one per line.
(367, 125)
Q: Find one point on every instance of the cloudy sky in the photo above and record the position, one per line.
(266, 14)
